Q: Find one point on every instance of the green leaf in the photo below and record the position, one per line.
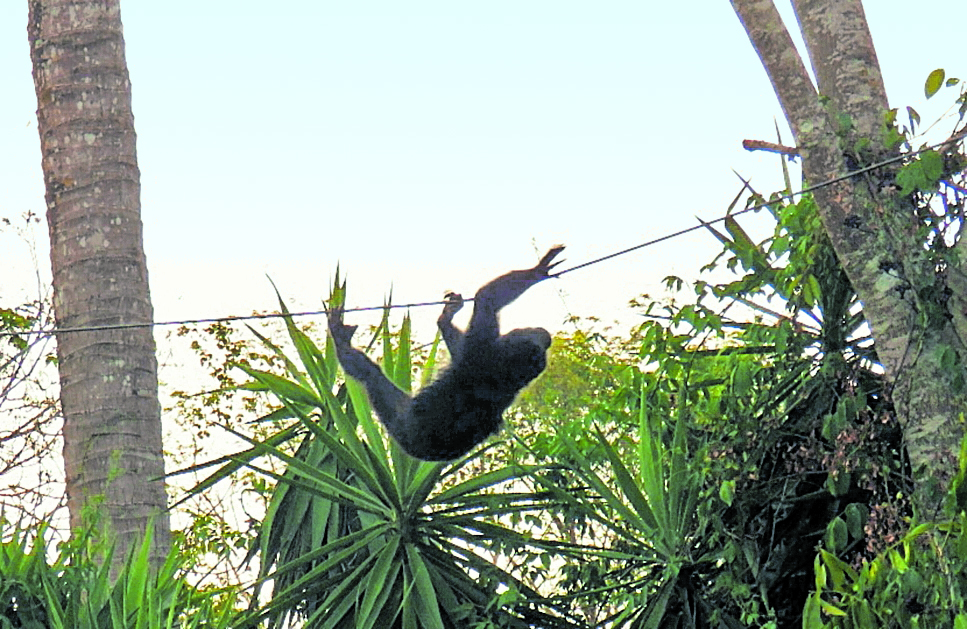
(379, 583)
(610, 499)
(838, 570)
(898, 561)
(727, 491)
(920, 174)
(742, 378)
(934, 82)
(626, 483)
(836, 535)
(857, 514)
(914, 116)
(423, 595)
(312, 479)
(838, 484)
(831, 609)
(863, 616)
(932, 165)
(283, 388)
(811, 615)
(819, 573)
(654, 617)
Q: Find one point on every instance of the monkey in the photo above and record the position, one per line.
(465, 404)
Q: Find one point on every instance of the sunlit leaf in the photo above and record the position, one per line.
(934, 82)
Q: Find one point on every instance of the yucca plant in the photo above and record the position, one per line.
(647, 499)
(359, 534)
(76, 590)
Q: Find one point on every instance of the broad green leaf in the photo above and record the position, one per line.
(742, 378)
(819, 573)
(811, 615)
(836, 535)
(837, 570)
(897, 561)
(934, 82)
(856, 516)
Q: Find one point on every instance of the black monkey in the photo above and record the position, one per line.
(464, 405)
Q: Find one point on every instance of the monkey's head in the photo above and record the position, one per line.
(525, 354)
(537, 336)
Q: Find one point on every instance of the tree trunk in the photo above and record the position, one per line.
(840, 127)
(108, 378)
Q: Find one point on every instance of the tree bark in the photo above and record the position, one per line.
(840, 127)
(108, 378)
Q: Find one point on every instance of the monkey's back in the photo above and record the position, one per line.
(448, 417)
(465, 405)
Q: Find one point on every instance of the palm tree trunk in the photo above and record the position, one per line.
(108, 378)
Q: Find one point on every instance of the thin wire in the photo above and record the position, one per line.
(682, 232)
(789, 195)
(269, 315)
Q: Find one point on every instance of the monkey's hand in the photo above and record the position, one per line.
(543, 268)
(452, 307)
(340, 333)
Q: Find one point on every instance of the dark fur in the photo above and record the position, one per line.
(465, 405)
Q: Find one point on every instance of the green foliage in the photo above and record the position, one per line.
(586, 375)
(12, 322)
(755, 438)
(936, 80)
(922, 173)
(918, 581)
(831, 429)
(691, 492)
(76, 590)
(656, 511)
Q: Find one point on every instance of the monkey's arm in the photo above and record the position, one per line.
(451, 335)
(499, 292)
(387, 399)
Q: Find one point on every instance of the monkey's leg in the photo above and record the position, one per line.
(388, 400)
(499, 292)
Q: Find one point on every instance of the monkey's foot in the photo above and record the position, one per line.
(341, 333)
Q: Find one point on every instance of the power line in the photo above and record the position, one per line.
(789, 195)
(228, 319)
(655, 241)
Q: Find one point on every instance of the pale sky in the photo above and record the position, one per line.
(425, 146)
